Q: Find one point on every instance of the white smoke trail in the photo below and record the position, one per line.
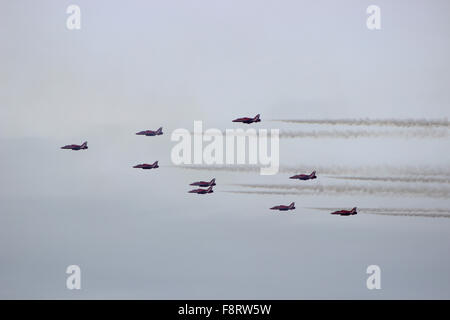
(407, 210)
(406, 170)
(407, 123)
(397, 179)
(226, 168)
(399, 212)
(280, 193)
(431, 215)
(353, 134)
(393, 210)
(346, 134)
(415, 171)
(357, 189)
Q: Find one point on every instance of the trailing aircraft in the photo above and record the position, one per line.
(150, 133)
(305, 176)
(248, 120)
(284, 208)
(346, 212)
(147, 166)
(76, 147)
(202, 191)
(204, 183)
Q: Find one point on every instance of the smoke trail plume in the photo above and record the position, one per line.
(346, 134)
(226, 168)
(280, 193)
(353, 134)
(357, 189)
(399, 212)
(397, 179)
(394, 210)
(406, 123)
(407, 210)
(431, 215)
(415, 171)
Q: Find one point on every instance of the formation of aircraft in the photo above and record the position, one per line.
(345, 212)
(212, 183)
(310, 176)
(76, 147)
(209, 184)
(284, 208)
(150, 133)
(248, 120)
(202, 191)
(147, 166)
(204, 183)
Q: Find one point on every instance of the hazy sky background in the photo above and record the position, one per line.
(137, 65)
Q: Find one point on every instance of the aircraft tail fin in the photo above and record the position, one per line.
(292, 205)
(212, 181)
(84, 145)
(155, 163)
(257, 117)
(313, 173)
(354, 209)
(210, 189)
(159, 130)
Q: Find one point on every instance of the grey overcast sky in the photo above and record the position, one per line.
(138, 65)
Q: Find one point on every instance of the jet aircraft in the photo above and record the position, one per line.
(305, 176)
(248, 120)
(204, 183)
(76, 146)
(147, 166)
(345, 212)
(150, 133)
(202, 191)
(284, 208)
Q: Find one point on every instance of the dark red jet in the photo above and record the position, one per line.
(284, 208)
(248, 120)
(202, 191)
(346, 212)
(76, 146)
(147, 166)
(305, 176)
(150, 133)
(204, 183)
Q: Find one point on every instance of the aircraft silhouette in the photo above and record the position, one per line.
(150, 133)
(284, 208)
(305, 176)
(204, 183)
(147, 166)
(202, 191)
(248, 120)
(76, 147)
(346, 212)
